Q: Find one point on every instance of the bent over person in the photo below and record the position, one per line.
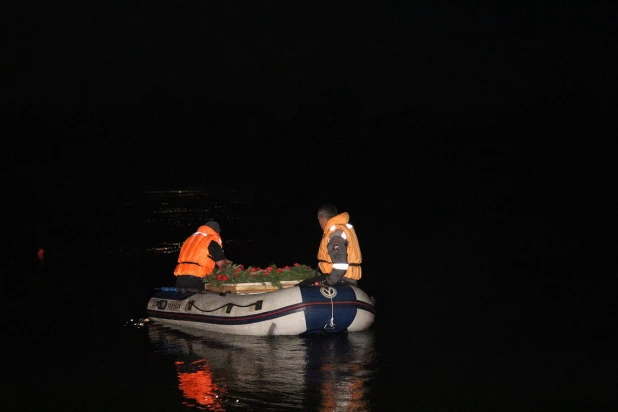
(339, 255)
(198, 257)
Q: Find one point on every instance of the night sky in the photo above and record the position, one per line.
(428, 98)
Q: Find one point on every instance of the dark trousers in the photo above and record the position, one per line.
(189, 282)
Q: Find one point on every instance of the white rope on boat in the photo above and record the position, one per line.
(331, 324)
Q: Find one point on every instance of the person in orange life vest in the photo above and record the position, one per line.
(198, 257)
(339, 254)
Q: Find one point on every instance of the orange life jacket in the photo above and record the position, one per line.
(194, 259)
(354, 253)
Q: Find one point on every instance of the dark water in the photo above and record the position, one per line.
(474, 313)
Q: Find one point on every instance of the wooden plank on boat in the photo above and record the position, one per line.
(251, 287)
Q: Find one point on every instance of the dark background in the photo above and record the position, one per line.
(473, 146)
(398, 110)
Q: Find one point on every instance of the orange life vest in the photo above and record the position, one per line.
(354, 253)
(194, 259)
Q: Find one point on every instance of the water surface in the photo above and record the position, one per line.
(473, 313)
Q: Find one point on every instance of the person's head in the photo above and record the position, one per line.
(325, 212)
(213, 225)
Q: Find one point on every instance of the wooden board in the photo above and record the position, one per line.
(250, 287)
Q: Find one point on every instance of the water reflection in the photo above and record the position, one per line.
(195, 380)
(216, 371)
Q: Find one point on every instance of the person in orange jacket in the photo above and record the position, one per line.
(339, 254)
(198, 257)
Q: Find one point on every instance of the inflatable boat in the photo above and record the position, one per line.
(303, 309)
